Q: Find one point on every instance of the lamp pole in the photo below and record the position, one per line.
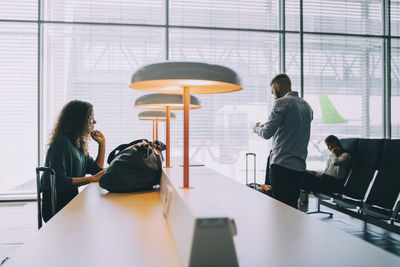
(167, 129)
(154, 127)
(186, 101)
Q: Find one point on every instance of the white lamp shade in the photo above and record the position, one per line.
(161, 101)
(154, 114)
(171, 77)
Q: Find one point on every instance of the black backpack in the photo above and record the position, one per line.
(133, 167)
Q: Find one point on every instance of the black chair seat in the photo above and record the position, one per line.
(323, 196)
(348, 203)
(376, 212)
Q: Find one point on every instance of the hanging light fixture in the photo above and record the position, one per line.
(185, 78)
(165, 102)
(155, 116)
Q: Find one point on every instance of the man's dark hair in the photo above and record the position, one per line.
(331, 139)
(283, 80)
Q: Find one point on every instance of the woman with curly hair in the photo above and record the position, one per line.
(68, 154)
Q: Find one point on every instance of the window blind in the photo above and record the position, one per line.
(95, 63)
(221, 130)
(395, 17)
(18, 103)
(343, 16)
(105, 11)
(255, 14)
(395, 88)
(19, 9)
(292, 15)
(342, 82)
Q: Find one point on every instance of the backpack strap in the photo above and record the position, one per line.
(119, 148)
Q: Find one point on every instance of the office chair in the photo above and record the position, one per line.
(53, 193)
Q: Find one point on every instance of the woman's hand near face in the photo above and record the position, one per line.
(101, 140)
(98, 137)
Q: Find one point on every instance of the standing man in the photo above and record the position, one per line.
(289, 126)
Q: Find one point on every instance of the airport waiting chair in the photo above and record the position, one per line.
(350, 145)
(381, 200)
(365, 164)
(39, 192)
(365, 157)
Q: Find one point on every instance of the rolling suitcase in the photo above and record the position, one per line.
(254, 184)
(265, 189)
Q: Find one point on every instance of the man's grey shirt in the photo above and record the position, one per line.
(289, 126)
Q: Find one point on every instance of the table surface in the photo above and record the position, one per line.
(271, 233)
(98, 228)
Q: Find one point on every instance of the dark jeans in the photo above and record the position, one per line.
(323, 184)
(267, 180)
(285, 184)
(63, 198)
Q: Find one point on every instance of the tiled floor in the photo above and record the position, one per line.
(18, 224)
(370, 233)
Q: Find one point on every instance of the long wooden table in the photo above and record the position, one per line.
(103, 229)
(98, 228)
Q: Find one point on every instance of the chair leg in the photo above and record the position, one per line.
(395, 213)
(4, 261)
(38, 199)
(319, 209)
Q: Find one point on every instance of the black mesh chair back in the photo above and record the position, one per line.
(386, 187)
(350, 145)
(39, 192)
(365, 162)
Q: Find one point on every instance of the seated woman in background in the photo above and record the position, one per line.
(332, 178)
(68, 155)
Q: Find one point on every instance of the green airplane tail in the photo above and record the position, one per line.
(329, 112)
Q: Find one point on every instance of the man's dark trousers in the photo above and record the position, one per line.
(285, 184)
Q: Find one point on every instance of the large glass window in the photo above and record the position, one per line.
(292, 60)
(343, 84)
(95, 63)
(19, 9)
(133, 11)
(343, 16)
(395, 84)
(292, 15)
(254, 14)
(89, 50)
(395, 17)
(221, 131)
(18, 105)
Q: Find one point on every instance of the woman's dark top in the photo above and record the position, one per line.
(68, 162)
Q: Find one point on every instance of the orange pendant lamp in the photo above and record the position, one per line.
(155, 116)
(185, 78)
(165, 102)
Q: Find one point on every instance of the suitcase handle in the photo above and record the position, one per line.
(247, 168)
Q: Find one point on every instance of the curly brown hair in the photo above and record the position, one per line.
(75, 122)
